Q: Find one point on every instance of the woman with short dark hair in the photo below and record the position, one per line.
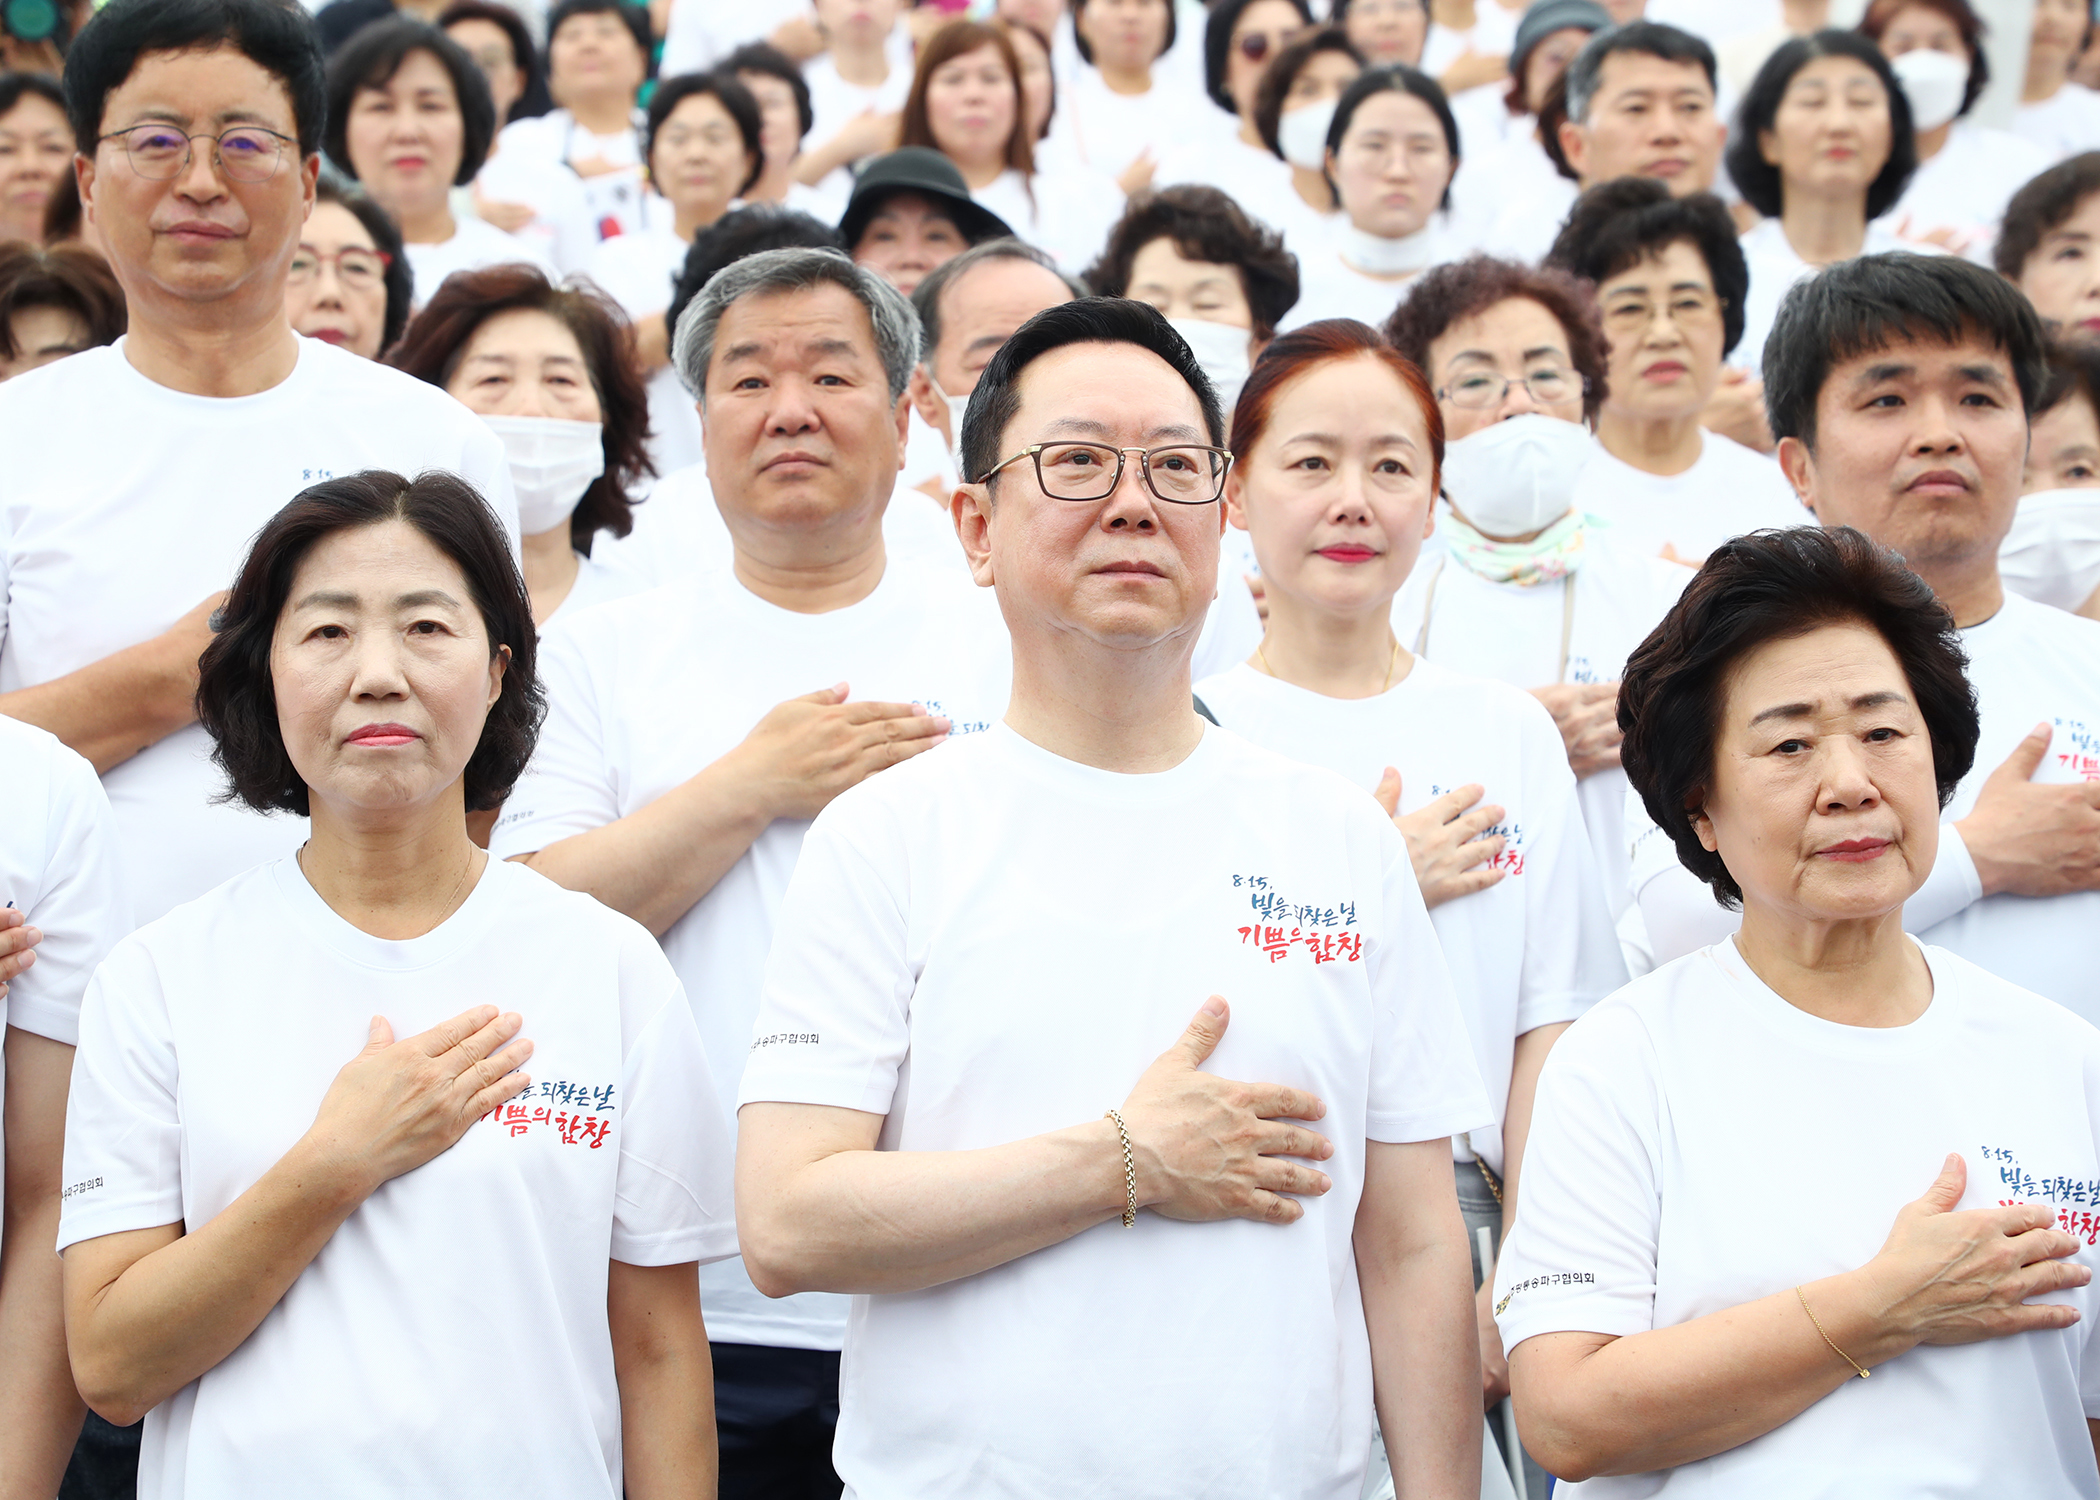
(54, 303)
(2049, 244)
(327, 1251)
(598, 58)
(350, 282)
(1795, 725)
(552, 370)
(1822, 146)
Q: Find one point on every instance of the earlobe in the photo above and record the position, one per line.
(499, 668)
(1703, 826)
(1799, 467)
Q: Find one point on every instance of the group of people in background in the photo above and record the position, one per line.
(1184, 645)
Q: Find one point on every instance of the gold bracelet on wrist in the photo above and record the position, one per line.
(1841, 1354)
(1129, 1172)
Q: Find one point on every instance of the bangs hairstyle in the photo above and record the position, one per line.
(1874, 302)
(2074, 370)
(1448, 294)
(371, 58)
(237, 697)
(72, 278)
(438, 338)
(1277, 78)
(1395, 78)
(1967, 24)
(400, 279)
(769, 60)
(2043, 206)
(1616, 225)
(1217, 44)
(957, 39)
(1305, 349)
(1090, 320)
(14, 85)
(1753, 591)
(276, 37)
(1203, 224)
(727, 90)
(532, 94)
(1758, 180)
(1086, 52)
(634, 17)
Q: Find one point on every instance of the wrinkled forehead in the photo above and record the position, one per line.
(780, 327)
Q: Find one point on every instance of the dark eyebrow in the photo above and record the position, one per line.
(1178, 431)
(1805, 710)
(1989, 375)
(1877, 374)
(987, 341)
(422, 598)
(341, 599)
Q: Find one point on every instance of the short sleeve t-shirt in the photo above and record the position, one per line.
(451, 1336)
(1658, 1107)
(475, 243)
(110, 542)
(992, 942)
(645, 692)
(1535, 948)
(1730, 490)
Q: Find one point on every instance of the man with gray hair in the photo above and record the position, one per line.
(693, 731)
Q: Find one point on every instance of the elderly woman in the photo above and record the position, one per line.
(1293, 107)
(1822, 147)
(551, 369)
(350, 283)
(1392, 148)
(54, 303)
(1523, 590)
(327, 1251)
(1796, 725)
(410, 118)
(2049, 243)
(1670, 283)
(1338, 445)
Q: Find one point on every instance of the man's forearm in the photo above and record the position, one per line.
(112, 709)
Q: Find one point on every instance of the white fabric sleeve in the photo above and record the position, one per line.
(81, 905)
(672, 1200)
(1677, 907)
(1571, 948)
(1951, 888)
(568, 787)
(1582, 1254)
(1425, 1082)
(634, 281)
(833, 1018)
(688, 41)
(123, 1159)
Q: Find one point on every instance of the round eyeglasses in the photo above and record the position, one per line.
(1183, 474)
(246, 153)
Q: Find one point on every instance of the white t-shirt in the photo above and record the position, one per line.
(2029, 664)
(646, 693)
(640, 270)
(992, 942)
(475, 243)
(1329, 287)
(1501, 170)
(2064, 124)
(563, 229)
(1964, 187)
(596, 583)
(451, 1336)
(1660, 1107)
(1529, 222)
(110, 541)
(834, 104)
(1729, 490)
(1535, 948)
(1107, 131)
(1775, 267)
(614, 198)
(701, 32)
(1515, 635)
(1066, 211)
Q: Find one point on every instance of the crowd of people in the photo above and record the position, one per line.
(1182, 646)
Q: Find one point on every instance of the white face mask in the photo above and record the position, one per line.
(1222, 351)
(1933, 82)
(956, 405)
(1516, 476)
(552, 462)
(1303, 134)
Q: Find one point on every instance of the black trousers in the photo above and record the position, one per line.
(775, 1413)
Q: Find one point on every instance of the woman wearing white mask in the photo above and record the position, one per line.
(1292, 110)
(551, 370)
(1524, 589)
(1966, 172)
(1392, 149)
(1337, 443)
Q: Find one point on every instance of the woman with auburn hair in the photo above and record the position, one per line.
(1339, 449)
(967, 103)
(552, 370)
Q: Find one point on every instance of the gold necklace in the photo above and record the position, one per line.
(1391, 662)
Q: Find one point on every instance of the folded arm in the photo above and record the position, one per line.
(110, 710)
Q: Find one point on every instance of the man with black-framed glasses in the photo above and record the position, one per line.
(1085, 1259)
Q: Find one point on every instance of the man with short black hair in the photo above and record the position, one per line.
(1901, 387)
(982, 952)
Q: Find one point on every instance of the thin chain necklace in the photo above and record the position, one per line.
(1391, 662)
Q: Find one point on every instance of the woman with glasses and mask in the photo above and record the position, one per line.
(350, 284)
(1338, 447)
(1670, 283)
(1519, 587)
(1392, 150)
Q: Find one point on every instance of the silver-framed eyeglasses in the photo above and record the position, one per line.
(1486, 388)
(357, 268)
(246, 153)
(1180, 474)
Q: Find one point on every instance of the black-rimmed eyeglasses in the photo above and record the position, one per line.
(1181, 474)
